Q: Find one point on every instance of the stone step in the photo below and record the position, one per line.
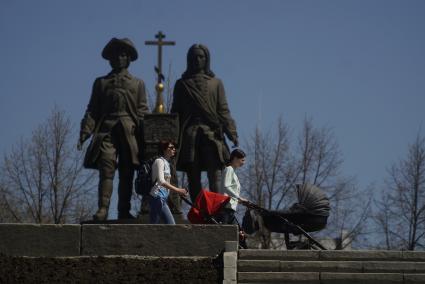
(330, 278)
(279, 277)
(331, 266)
(332, 255)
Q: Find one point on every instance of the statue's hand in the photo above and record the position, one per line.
(83, 138)
(235, 142)
(80, 145)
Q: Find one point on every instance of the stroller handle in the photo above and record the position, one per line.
(251, 205)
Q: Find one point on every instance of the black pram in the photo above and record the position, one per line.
(309, 214)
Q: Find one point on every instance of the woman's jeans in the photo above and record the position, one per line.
(160, 210)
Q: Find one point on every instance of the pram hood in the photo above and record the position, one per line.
(311, 200)
(206, 206)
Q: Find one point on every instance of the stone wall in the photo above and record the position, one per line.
(113, 253)
(114, 239)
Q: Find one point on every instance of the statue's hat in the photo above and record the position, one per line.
(116, 44)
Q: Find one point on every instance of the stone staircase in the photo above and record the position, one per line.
(330, 267)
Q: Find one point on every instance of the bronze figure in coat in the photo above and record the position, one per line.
(204, 115)
(117, 104)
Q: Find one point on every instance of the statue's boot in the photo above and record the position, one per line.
(125, 188)
(105, 192)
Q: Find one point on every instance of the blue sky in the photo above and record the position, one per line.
(357, 67)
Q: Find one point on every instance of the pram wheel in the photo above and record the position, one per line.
(303, 245)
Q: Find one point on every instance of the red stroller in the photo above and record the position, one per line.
(207, 209)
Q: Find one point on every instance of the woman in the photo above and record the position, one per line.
(161, 175)
(230, 186)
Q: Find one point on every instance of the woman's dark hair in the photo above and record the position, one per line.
(163, 145)
(237, 153)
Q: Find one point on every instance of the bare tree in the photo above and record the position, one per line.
(319, 156)
(319, 162)
(169, 86)
(275, 166)
(6, 214)
(43, 179)
(382, 217)
(401, 213)
(350, 211)
(269, 172)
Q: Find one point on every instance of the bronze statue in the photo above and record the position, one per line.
(117, 104)
(204, 115)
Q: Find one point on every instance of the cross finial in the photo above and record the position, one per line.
(160, 36)
(158, 69)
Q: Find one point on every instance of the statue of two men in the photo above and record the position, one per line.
(117, 105)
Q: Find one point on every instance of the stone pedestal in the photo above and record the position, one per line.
(157, 127)
(40, 240)
(119, 238)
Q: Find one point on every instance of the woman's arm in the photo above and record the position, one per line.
(158, 168)
(179, 190)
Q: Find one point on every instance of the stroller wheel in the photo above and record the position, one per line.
(303, 245)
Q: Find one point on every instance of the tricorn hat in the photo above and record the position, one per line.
(116, 44)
